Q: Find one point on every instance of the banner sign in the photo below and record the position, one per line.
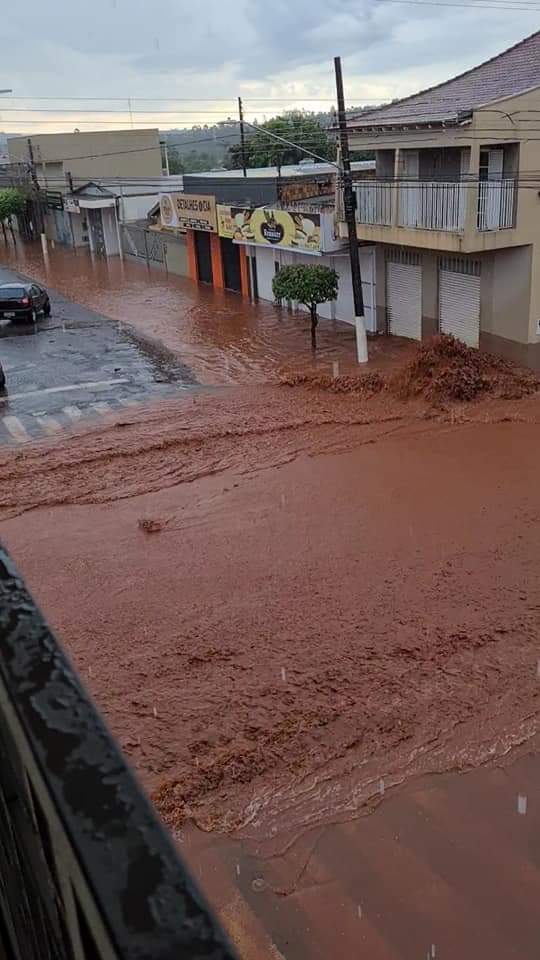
(189, 211)
(293, 191)
(268, 227)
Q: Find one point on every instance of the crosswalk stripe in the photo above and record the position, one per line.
(14, 426)
(49, 424)
(101, 406)
(72, 412)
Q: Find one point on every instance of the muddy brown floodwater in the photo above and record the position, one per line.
(287, 602)
(301, 595)
(221, 336)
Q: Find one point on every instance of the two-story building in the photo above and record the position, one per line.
(453, 210)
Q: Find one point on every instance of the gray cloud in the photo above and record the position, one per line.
(216, 48)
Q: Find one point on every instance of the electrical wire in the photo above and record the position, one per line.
(517, 8)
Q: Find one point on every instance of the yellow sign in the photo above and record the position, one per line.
(188, 211)
(196, 212)
(269, 227)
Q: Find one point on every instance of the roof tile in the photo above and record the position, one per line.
(508, 74)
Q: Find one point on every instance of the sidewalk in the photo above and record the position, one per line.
(444, 868)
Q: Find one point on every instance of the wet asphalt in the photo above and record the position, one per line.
(77, 365)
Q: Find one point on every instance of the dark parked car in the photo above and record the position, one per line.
(2, 378)
(23, 301)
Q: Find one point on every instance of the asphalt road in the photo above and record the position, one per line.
(76, 365)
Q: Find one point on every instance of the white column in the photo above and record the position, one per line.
(118, 237)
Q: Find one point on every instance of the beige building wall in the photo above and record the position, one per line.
(510, 287)
(91, 155)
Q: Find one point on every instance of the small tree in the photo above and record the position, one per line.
(12, 202)
(310, 285)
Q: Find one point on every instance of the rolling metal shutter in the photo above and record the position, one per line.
(459, 299)
(404, 295)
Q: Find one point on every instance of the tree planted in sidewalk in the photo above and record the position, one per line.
(12, 202)
(309, 285)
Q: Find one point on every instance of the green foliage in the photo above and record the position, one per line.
(297, 126)
(191, 161)
(307, 284)
(11, 203)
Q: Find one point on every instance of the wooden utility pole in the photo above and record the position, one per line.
(242, 136)
(349, 204)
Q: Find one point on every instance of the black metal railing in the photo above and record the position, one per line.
(87, 871)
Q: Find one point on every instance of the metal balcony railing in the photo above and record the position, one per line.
(432, 205)
(373, 203)
(496, 204)
(87, 871)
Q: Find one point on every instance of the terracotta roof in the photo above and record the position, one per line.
(509, 73)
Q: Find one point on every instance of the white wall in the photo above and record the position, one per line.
(109, 231)
(136, 207)
(77, 227)
(340, 309)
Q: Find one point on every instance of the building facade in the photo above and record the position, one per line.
(87, 182)
(452, 213)
(239, 231)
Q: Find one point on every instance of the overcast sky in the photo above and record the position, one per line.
(211, 49)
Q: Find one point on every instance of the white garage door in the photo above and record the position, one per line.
(344, 308)
(459, 305)
(404, 299)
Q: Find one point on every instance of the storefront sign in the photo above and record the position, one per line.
(168, 209)
(276, 228)
(300, 189)
(71, 204)
(188, 211)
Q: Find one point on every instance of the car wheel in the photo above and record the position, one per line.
(47, 309)
(2, 383)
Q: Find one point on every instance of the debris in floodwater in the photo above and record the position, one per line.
(237, 869)
(283, 674)
(445, 368)
(522, 804)
(381, 787)
(359, 909)
(258, 884)
(150, 525)
(366, 385)
(154, 711)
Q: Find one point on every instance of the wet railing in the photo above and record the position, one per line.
(87, 871)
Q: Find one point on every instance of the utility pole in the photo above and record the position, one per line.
(37, 203)
(349, 204)
(242, 136)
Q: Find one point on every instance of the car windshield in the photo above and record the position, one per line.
(12, 293)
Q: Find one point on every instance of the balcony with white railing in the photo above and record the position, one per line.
(374, 203)
(432, 205)
(435, 205)
(496, 204)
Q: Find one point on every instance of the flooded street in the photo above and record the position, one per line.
(303, 613)
(220, 336)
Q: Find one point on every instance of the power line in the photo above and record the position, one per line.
(232, 100)
(476, 5)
